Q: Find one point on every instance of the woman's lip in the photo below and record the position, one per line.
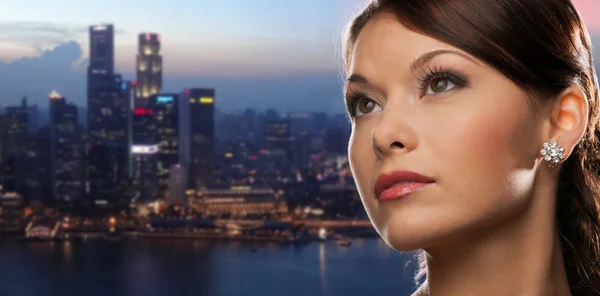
(400, 191)
(412, 180)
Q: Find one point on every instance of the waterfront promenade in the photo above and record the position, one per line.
(282, 231)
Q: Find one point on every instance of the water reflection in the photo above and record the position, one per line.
(359, 243)
(67, 252)
(153, 267)
(142, 274)
(323, 267)
(198, 245)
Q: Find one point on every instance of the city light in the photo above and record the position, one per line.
(99, 28)
(144, 149)
(54, 95)
(240, 188)
(322, 233)
(142, 111)
(206, 100)
(164, 99)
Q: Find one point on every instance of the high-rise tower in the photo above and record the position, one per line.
(109, 108)
(149, 65)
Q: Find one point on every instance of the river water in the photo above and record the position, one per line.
(150, 267)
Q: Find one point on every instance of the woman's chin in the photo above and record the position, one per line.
(404, 242)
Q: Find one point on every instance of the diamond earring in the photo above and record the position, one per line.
(552, 153)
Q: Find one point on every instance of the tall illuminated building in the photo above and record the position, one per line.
(277, 138)
(277, 141)
(39, 157)
(149, 65)
(177, 182)
(197, 126)
(108, 140)
(14, 134)
(166, 111)
(129, 90)
(108, 104)
(144, 153)
(66, 150)
(301, 150)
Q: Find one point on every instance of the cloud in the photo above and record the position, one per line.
(40, 36)
(36, 76)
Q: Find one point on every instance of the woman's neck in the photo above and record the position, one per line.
(522, 257)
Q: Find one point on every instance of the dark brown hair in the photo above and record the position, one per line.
(542, 46)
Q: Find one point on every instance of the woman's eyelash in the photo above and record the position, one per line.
(430, 73)
(352, 97)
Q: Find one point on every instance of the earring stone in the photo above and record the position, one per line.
(553, 153)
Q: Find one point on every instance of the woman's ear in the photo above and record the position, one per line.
(569, 118)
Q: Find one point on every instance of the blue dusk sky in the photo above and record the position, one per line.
(261, 53)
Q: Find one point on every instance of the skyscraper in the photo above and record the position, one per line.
(108, 154)
(144, 152)
(197, 110)
(301, 150)
(149, 65)
(129, 90)
(108, 116)
(14, 132)
(177, 183)
(66, 150)
(39, 185)
(277, 141)
(277, 138)
(166, 111)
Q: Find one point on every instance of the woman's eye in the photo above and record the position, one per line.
(439, 85)
(365, 105)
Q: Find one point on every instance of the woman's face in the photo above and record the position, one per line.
(424, 106)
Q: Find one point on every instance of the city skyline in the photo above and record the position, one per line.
(262, 55)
